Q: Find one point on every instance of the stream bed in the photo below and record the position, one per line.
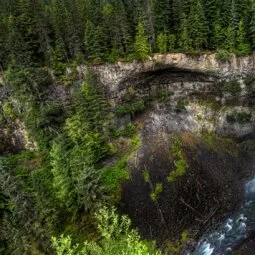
(233, 231)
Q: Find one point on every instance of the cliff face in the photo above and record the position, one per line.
(114, 76)
(225, 89)
(202, 86)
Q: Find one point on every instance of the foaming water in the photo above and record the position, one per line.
(232, 231)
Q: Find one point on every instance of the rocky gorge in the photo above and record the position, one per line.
(195, 129)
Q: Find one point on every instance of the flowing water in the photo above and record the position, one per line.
(233, 231)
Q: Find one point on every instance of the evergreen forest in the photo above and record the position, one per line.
(60, 195)
(54, 33)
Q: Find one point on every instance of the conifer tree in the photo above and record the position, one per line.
(171, 42)
(198, 28)
(59, 59)
(218, 35)
(225, 13)
(161, 12)
(211, 15)
(243, 48)
(115, 18)
(229, 39)
(162, 42)
(95, 41)
(141, 45)
(252, 27)
(234, 20)
(184, 40)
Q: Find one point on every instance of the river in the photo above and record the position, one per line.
(233, 231)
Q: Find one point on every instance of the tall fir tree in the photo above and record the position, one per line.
(198, 27)
(211, 15)
(115, 18)
(184, 40)
(252, 27)
(162, 41)
(161, 13)
(95, 41)
(243, 48)
(141, 45)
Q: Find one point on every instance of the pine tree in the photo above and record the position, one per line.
(225, 13)
(162, 42)
(59, 59)
(3, 40)
(180, 9)
(229, 39)
(161, 13)
(198, 28)
(116, 21)
(95, 41)
(184, 40)
(211, 15)
(171, 42)
(141, 45)
(218, 35)
(234, 20)
(252, 27)
(243, 48)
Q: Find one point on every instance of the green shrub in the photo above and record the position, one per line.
(180, 106)
(249, 81)
(232, 87)
(132, 108)
(116, 237)
(8, 110)
(113, 175)
(222, 55)
(128, 131)
(181, 164)
(136, 142)
(157, 190)
(146, 176)
(175, 247)
(240, 117)
(163, 96)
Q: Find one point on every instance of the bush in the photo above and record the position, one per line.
(240, 117)
(113, 175)
(180, 106)
(232, 87)
(181, 165)
(116, 237)
(132, 108)
(250, 83)
(157, 190)
(222, 55)
(128, 131)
